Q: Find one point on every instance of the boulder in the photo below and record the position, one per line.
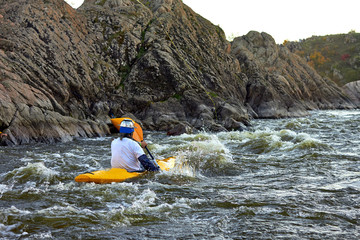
(179, 129)
(352, 89)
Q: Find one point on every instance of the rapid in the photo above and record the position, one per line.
(295, 178)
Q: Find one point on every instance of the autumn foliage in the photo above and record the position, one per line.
(345, 56)
(328, 53)
(317, 59)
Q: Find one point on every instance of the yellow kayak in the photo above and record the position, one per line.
(119, 174)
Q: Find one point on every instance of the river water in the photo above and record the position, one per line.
(282, 179)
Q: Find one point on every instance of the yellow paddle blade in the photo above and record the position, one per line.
(138, 133)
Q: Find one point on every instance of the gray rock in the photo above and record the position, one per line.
(179, 129)
(353, 91)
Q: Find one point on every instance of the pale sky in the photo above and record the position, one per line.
(282, 19)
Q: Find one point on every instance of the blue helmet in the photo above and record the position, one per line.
(127, 126)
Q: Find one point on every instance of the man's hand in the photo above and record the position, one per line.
(143, 144)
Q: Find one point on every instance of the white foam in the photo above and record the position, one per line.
(38, 169)
(45, 235)
(56, 155)
(69, 154)
(5, 188)
(343, 113)
(30, 187)
(354, 184)
(13, 210)
(59, 210)
(6, 231)
(143, 200)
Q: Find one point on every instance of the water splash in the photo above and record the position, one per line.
(198, 154)
(268, 141)
(36, 172)
(5, 188)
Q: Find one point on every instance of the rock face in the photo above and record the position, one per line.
(172, 64)
(280, 83)
(44, 73)
(64, 72)
(353, 91)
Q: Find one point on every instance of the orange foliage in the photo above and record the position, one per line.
(317, 59)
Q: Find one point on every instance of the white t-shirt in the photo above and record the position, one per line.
(125, 153)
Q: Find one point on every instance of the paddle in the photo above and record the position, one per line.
(138, 135)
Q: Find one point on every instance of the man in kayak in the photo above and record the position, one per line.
(127, 153)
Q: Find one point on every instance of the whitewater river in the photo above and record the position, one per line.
(282, 179)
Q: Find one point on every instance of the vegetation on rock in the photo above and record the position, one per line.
(333, 56)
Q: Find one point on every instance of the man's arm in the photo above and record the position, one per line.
(148, 164)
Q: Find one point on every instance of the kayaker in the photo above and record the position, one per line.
(127, 153)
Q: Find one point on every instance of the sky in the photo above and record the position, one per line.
(282, 19)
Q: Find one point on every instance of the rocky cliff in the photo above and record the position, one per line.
(280, 83)
(64, 72)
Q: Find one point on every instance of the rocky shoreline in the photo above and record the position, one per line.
(64, 72)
